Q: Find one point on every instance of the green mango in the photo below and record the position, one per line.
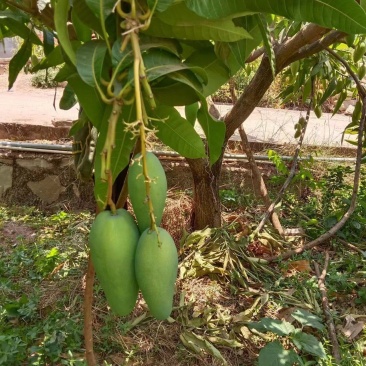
(137, 190)
(156, 266)
(113, 240)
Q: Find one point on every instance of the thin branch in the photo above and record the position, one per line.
(326, 309)
(255, 55)
(292, 171)
(258, 180)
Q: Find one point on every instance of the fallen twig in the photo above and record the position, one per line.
(326, 309)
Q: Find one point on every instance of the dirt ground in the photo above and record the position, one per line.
(16, 106)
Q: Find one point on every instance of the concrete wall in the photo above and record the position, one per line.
(45, 181)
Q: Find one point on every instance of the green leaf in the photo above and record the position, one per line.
(16, 23)
(363, 4)
(64, 73)
(161, 5)
(191, 113)
(89, 61)
(18, 62)
(124, 143)
(175, 93)
(266, 37)
(68, 99)
(48, 42)
(274, 354)
(61, 18)
(83, 31)
(214, 131)
(86, 16)
(217, 73)
(329, 91)
(54, 58)
(101, 8)
(307, 319)
(308, 343)
(159, 63)
(88, 98)
(180, 22)
(176, 132)
(243, 48)
(276, 326)
(344, 15)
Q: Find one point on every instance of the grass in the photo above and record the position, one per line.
(220, 290)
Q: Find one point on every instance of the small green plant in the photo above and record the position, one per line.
(45, 79)
(306, 344)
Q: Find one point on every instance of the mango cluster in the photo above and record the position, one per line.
(129, 256)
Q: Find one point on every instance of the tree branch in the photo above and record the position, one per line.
(305, 43)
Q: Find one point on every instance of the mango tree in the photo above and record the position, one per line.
(130, 63)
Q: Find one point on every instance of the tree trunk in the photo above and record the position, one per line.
(207, 206)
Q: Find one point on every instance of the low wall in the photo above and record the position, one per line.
(47, 181)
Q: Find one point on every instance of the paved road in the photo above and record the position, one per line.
(25, 104)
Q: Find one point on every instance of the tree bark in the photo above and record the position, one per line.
(207, 206)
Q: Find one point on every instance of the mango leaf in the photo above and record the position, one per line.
(266, 37)
(175, 93)
(243, 48)
(276, 326)
(214, 131)
(191, 113)
(68, 99)
(363, 4)
(274, 354)
(15, 22)
(18, 62)
(176, 132)
(89, 61)
(161, 4)
(198, 345)
(307, 319)
(180, 22)
(64, 73)
(54, 58)
(224, 53)
(83, 31)
(61, 19)
(217, 73)
(346, 16)
(48, 42)
(88, 98)
(86, 16)
(159, 63)
(308, 343)
(124, 143)
(101, 8)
